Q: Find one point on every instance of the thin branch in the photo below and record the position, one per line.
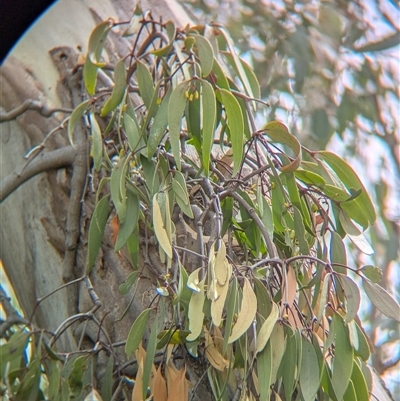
(30, 104)
(46, 161)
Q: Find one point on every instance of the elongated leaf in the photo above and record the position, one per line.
(236, 126)
(118, 91)
(350, 179)
(196, 313)
(266, 328)
(338, 253)
(209, 111)
(343, 360)
(164, 51)
(180, 187)
(145, 81)
(96, 231)
(360, 384)
(118, 188)
(132, 132)
(75, 118)
(97, 142)
(176, 108)
(309, 371)
(300, 231)
(278, 132)
(374, 273)
(205, 52)
(382, 300)
(132, 214)
(309, 177)
(157, 130)
(136, 332)
(352, 294)
(264, 370)
(323, 296)
(159, 228)
(361, 243)
(230, 311)
(246, 313)
(148, 367)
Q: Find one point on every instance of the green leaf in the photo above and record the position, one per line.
(76, 116)
(235, 124)
(237, 63)
(350, 179)
(289, 366)
(362, 350)
(343, 359)
(132, 132)
(361, 243)
(348, 226)
(95, 48)
(266, 328)
(107, 380)
(205, 52)
(338, 253)
(164, 51)
(128, 283)
(231, 303)
(97, 142)
(158, 128)
(54, 379)
(360, 384)
(374, 273)
(118, 188)
(278, 132)
(150, 353)
(352, 294)
(96, 231)
(132, 214)
(309, 371)
(264, 371)
(179, 187)
(145, 81)
(209, 110)
(382, 300)
(118, 91)
(75, 379)
(309, 177)
(136, 332)
(350, 393)
(160, 229)
(195, 313)
(222, 81)
(300, 231)
(176, 108)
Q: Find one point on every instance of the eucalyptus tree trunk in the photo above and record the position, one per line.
(43, 183)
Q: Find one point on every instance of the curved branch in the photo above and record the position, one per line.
(46, 161)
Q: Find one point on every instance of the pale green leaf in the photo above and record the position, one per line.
(118, 91)
(374, 273)
(118, 188)
(247, 312)
(128, 283)
(362, 244)
(208, 116)
(136, 332)
(76, 116)
(338, 253)
(382, 300)
(266, 328)
(97, 142)
(132, 132)
(352, 294)
(205, 52)
(164, 51)
(176, 108)
(145, 81)
(278, 132)
(196, 313)
(264, 370)
(160, 229)
(236, 126)
(96, 231)
(309, 371)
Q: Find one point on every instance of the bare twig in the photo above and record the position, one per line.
(46, 161)
(30, 104)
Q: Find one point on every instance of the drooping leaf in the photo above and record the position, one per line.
(209, 110)
(352, 294)
(118, 91)
(205, 52)
(165, 50)
(278, 132)
(338, 253)
(157, 129)
(128, 282)
(374, 273)
(160, 229)
(97, 142)
(264, 370)
(309, 371)
(96, 231)
(382, 300)
(196, 313)
(136, 332)
(76, 115)
(145, 81)
(236, 126)
(118, 187)
(247, 312)
(343, 359)
(230, 311)
(148, 367)
(176, 108)
(266, 328)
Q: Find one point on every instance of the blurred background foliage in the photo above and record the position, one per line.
(330, 71)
